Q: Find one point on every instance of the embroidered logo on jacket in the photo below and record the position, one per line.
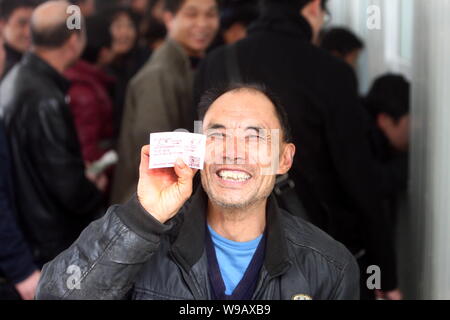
(301, 297)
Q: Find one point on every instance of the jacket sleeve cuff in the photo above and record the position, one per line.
(138, 220)
(24, 274)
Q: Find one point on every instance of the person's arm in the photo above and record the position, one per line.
(55, 150)
(105, 260)
(88, 120)
(359, 174)
(16, 261)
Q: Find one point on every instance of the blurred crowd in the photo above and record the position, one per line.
(73, 99)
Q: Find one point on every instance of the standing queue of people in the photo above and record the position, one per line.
(69, 97)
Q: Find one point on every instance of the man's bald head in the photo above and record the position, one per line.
(49, 25)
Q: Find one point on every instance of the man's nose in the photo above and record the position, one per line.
(201, 21)
(234, 150)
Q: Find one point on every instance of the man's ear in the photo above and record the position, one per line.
(383, 121)
(286, 159)
(168, 19)
(312, 9)
(73, 40)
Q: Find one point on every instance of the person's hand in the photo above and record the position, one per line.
(27, 288)
(389, 295)
(100, 180)
(162, 192)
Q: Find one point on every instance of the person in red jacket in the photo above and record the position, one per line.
(91, 108)
(90, 102)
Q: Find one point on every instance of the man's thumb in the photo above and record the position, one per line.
(184, 173)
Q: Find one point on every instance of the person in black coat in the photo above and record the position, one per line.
(388, 103)
(18, 273)
(335, 176)
(57, 196)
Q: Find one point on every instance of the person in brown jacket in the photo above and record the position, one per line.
(159, 97)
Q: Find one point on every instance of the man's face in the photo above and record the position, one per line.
(352, 58)
(194, 26)
(316, 16)
(396, 131)
(244, 141)
(16, 30)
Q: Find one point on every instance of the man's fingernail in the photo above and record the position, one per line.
(180, 163)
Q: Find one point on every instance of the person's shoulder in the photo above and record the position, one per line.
(303, 235)
(219, 52)
(330, 64)
(153, 70)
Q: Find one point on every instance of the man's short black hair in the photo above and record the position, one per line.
(7, 7)
(210, 96)
(110, 15)
(98, 37)
(173, 5)
(341, 40)
(237, 13)
(294, 5)
(389, 94)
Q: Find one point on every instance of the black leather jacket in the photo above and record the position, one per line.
(55, 201)
(128, 253)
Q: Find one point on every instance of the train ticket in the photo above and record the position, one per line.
(167, 147)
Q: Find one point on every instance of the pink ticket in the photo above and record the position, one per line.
(167, 147)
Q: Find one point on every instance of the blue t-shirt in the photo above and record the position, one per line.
(233, 258)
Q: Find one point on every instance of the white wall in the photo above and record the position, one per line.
(430, 187)
(387, 49)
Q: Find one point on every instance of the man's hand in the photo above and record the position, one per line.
(27, 288)
(99, 180)
(162, 192)
(389, 295)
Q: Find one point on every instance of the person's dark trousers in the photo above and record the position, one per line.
(8, 292)
(365, 292)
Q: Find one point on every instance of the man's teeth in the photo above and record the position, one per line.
(234, 175)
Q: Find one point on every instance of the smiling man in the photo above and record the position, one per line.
(229, 240)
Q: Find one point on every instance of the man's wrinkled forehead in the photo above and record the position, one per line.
(242, 109)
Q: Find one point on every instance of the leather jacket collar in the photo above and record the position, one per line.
(12, 53)
(42, 67)
(189, 246)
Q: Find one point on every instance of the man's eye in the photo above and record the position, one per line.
(254, 137)
(190, 14)
(216, 135)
